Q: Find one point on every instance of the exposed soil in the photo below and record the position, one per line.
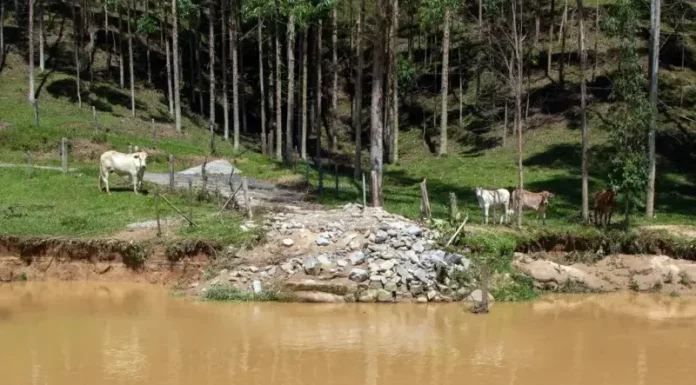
(688, 231)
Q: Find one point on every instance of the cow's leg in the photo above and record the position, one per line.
(495, 214)
(485, 214)
(135, 183)
(106, 182)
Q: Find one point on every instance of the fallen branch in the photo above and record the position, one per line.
(228, 201)
(459, 229)
(177, 210)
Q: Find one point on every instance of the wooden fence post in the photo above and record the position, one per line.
(157, 212)
(247, 198)
(28, 155)
(453, 207)
(190, 193)
(95, 125)
(171, 173)
(64, 154)
(425, 202)
(154, 134)
(204, 180)
(364, 192)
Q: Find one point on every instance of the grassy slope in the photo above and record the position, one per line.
(551, 148)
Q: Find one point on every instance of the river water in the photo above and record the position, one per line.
(98, 334)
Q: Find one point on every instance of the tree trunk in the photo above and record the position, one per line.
(42, 57)
(654, 68)
(505, 124)
(235, 82)
(30, 25)
(303, 114)
(147, 48)
(106, 37)
(2, 32)
(77, 58)
(192, 66)
(517, 40)
(291, 89)
(583, 114)
(394, 146)
(175, 50)
(376, 150)
(445, 84)
(549, 51)
(211, 62)
(121, 69)
(240, 73)
(261, 85)
(170, 91)
(596, 39)
(199, 64)
(357, 123)
(537, 22)
(278, 88)
(317, 100)
(333, 141)
(223, 65)
(131, 71)
(563, 33)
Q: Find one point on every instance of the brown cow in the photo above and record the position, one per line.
(604, 203)
(531, 200)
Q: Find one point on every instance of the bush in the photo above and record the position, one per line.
(224, 292)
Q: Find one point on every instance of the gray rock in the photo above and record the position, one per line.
(288, 268)
(376, 277)
(253, 269)
(412, 256)
(384, 296)
(256, 286)
(431, 295)
(374, 267)
(288, 242)
(422, 299)
(354, 245)
(386, 265)
(375, 285)
(357, 258)
(418, 247)
(377, 248)
(368, 295)
(381, 236)
(322, 241)
(388, 273)
(434, 255)
(342, 263)
(421, 275)
(311, 267)
(403, 272)
(390, 286)
(477, 296)
(358, 275)
(392, 233)
(415, 288)
(414, 231)
(324, 261)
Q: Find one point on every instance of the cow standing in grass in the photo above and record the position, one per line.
(604, 203)
(538, 202)
(132, 165)
(493, 198)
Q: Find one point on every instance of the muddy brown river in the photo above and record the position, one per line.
(98, 334)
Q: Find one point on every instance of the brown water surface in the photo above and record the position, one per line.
(98, 334)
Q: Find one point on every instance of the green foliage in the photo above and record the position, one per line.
(431, 11)
(492, 249)
(406, 72)
(684, 278)
(147, 23)
(225, 292)
(519, 288)
(22, 277)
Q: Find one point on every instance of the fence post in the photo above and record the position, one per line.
(28, 164)
(157, 212)
(374, 189)
(336, 177)
(35, 106)
(190, 193)
(95, 125)
(154, 134)
(247, 198)
(171, 173)
(130, 149)
(425, 202)
(213, 149)
(453, 207)
(204, 179)
(484, 289)
(64, 154)
(364, 192)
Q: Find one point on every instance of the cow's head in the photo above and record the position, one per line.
(545, 195)
(141, 158)
(479, 191)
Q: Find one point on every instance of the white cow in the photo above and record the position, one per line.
(493, 198)
(132, 165)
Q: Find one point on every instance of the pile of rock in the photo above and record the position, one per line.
(377, 255)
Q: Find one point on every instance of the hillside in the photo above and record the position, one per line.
(476, 154)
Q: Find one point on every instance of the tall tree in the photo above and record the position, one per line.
(223, 65)
(30, 36)
(519, 59)
(445, 83)
(549, 49)
(262, 89)
(583, 113)
(357, 122)
(317, 100)
(2, 32)
(654, 68)
(291, 88)
(278, 86)
(333, 140)
(235, 79)
(42, 56)
(175, 50)
(121, 69)
(77, 48)
(393, 154)
(377, 104)
(131, 71)
(168, 57)
(303, 94)
(562, 35)
(211, 61)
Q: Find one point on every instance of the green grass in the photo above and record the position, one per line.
(224, 292)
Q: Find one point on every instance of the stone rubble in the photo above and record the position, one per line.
(384, 256)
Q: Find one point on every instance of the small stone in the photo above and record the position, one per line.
(256, 286)
(358, 275)
(287, 242)
(415, 288)
(386, 265)
(324, 261)
(477, 296)
(390, 286)
(374, 266)
(376, 278)
(414, 231)
(253, 269)
(357, 258)
(342, 263)
(421, 275)
(392, 233)
(412, 256)
(422, 299)
(377, 248)
(322, 241)
(375, 285)
(388, 273)
(194, 285)
(354, 245)
(311, 267)
(368, 296)
(403, 272)
(418, 247)
(384, 296)
(288, 268)
(381, 236)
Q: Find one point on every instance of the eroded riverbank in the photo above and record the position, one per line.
(108, 333)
